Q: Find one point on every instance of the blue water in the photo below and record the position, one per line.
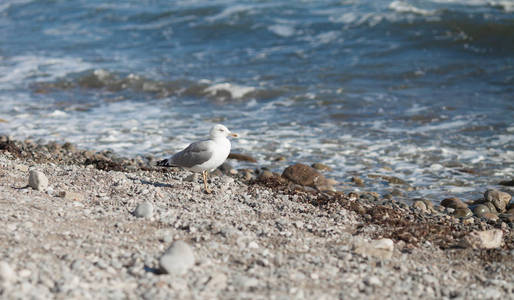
(415, 89)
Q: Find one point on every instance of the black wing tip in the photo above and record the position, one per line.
(163, 163)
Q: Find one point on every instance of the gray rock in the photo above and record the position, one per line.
(144, 210)
(178, 259)
(487, 239)
(38, 180)
(499, 199)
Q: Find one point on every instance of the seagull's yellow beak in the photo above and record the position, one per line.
(234, 135)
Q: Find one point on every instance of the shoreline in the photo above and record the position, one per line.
(257, 237)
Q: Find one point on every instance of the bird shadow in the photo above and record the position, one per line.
(156, 184)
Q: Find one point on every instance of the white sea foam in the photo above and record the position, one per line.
(236, 91)
(506, 5)
(229, 11)
(404, 7)
(57, 114)
(282, 30)
(17, 70)
(9, 4)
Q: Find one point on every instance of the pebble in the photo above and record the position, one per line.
(178, 259)
(38, 180)
(509, 218)
(491, 293)
(242, 157)
(491, 207)
(499, 199)
(144, 210)
(454, 203)
(216, 282)
(304, 175)
(372, 281)
(321, 167)
(265, 175)
(429, 204)
(487, 239)
(420, 205)
(462, 213)
(382, 248)
(21, 167)
(490, 216)
(358, 181)
(7, 274)
(246, 282)
(480, 210)
(67, 195)
(191, 178)
(468, 221)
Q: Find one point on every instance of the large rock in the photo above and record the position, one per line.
(499, 199)
(178, 259)
(487, 239)
(38, 180)
(304, 175)
(382, 248)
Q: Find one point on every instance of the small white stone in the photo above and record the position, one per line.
(144, 210)
(25, 273)
(486, 239)
(7, 274)
(253, 245)
(373, 281)
(246, 282)
(177, 259)
(382, 248)
(38, 180)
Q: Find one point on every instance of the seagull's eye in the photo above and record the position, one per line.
(221, 129)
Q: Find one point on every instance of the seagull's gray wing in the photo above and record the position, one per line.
(195, 154)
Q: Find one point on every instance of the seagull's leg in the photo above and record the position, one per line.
(207, 190)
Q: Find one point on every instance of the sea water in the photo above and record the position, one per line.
(419, 90)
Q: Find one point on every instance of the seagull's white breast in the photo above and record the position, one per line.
(220, 152)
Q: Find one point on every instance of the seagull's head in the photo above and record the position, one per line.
(221, 131)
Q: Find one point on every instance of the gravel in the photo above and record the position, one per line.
(248, 240)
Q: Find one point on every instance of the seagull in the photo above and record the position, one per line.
(203, 156)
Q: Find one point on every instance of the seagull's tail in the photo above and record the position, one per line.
(164, 163)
